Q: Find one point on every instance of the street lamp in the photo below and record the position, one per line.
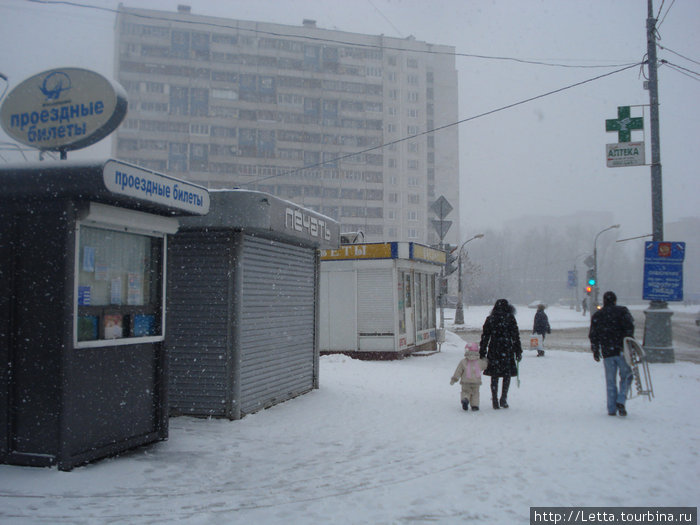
(595, 266)
(459, 313)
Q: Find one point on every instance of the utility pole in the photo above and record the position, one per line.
(658, 340)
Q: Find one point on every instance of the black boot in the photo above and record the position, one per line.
(465, 404)
(494, 392)
(621, 409)
(504, 392)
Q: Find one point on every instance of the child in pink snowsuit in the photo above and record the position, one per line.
(468, 373)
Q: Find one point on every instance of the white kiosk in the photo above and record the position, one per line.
(378, 300)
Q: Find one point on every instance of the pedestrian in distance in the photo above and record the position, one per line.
(541, 327)
(609, 327)
(500, 345)
(585, 306)
(468, 373)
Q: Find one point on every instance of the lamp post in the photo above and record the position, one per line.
(595, 266)
(459, 312)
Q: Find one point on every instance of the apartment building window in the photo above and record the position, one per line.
(391, 111)
(312, 57)
(412, 215)
(413, 181)
(289, 99)
(412, 130)
(412, 62)
(393, 94)
(312, 157)
(391, 128)
(413, 198)
(200, 46)
(412, 96)
(180, 44)
(225, 94)
(222, 131)
(312, 106)
(155, 87)
(412, 80)
(412, 113)
(391, 163)
(128, 144)
(177, 156)
(154, 107)
(373, 72)
(392, 197)
(199, 157)
(221, 38)
(199, 102)
(391, 214)
(266, 143)
(412, 233)
(247, 142)
(413, 147)
(179, 100)
(391, 60)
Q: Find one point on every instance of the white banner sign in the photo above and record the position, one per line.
(625, 154)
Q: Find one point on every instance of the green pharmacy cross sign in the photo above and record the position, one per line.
(624, 124)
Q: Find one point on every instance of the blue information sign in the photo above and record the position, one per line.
(663, 271)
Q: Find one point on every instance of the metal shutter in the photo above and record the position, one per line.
(278, 323)
(197, 315)
(375, 302)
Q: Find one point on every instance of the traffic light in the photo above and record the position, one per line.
(590, 277)
(451, 257)
(589, 289)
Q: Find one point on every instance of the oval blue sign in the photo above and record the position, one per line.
(63, 109)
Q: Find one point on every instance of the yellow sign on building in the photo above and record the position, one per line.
(359, 251)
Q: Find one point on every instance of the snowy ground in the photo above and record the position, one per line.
(388, 443)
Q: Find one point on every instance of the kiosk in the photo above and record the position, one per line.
(243, 304)
(378, 300)
(82, 295)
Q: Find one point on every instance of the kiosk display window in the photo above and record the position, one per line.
(120, 291)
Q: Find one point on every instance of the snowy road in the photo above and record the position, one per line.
(387, 443)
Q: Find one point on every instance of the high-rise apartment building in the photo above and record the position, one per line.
(337, 122)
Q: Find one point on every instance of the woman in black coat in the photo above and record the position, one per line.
(500, 345)
(541, 327)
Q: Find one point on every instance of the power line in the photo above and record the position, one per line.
(682, 70)
(440, 128)
(667, 10)
(333, 41)
(678, 54)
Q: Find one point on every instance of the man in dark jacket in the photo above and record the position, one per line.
(609, 327)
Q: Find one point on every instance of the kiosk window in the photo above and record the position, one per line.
(120, 290)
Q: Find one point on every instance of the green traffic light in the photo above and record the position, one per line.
(591, 282)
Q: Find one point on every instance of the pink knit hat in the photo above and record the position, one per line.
(472, 347)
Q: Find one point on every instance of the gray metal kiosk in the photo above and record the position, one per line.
(243, 304)
(82, 294)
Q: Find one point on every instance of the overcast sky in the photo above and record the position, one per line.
(544, 157)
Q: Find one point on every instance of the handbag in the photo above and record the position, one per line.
(535, 342)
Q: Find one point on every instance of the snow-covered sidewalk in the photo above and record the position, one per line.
(388, 443)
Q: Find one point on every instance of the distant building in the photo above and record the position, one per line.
(298, 112)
